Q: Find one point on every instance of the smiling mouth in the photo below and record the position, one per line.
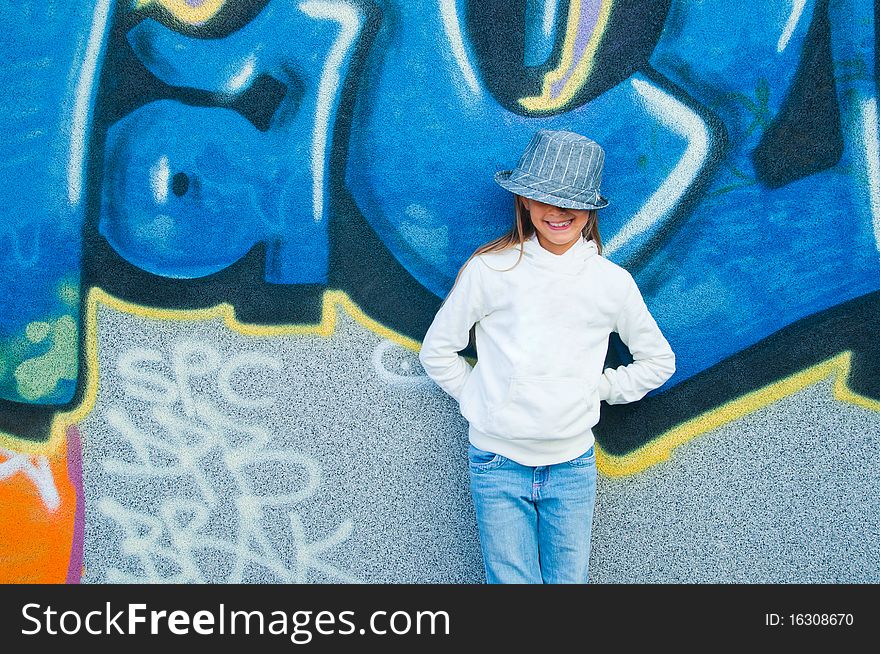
(559, 225)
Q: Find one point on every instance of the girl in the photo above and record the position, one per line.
(542, 301)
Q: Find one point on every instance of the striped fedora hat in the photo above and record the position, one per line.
(559, 168)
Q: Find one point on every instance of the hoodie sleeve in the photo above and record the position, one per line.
(448, 333)
(653, 359)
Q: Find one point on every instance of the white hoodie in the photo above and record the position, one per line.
(541, 337)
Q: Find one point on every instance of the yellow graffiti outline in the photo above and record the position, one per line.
(659, 449)
(651, 453)
(98, 296)
(583, 68)
(183, 11)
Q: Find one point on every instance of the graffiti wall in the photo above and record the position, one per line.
(228, 225)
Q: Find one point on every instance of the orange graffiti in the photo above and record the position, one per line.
(37, 517)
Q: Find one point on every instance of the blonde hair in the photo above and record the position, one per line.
(522, 230)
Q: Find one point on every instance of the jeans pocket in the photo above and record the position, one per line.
(481, 460)
(586, 459)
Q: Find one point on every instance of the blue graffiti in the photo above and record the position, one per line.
(541, 23)
(424, 180)
(188, 191)
(52, 59)
(724, 259)
(749, 260)
(721, 268)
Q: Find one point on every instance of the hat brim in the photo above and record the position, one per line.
(502, 178)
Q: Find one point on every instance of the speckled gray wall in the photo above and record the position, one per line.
(216, 456)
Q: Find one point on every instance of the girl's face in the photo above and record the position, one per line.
(558, 228)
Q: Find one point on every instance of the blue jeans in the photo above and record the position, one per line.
(535, 521)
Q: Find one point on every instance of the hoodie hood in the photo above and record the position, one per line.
(570, 262)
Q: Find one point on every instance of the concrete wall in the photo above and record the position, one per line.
(229, 224)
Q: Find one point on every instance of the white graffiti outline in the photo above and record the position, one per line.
(794, 17)
(349, 19)
(390, 377)
(85, 88)
(183, 442)
(872, 162)
(550, 7)
(452, 28)
(685, 122)
(35, 468)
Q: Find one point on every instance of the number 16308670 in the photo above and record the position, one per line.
(808, 619)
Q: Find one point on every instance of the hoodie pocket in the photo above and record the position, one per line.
(545, 407)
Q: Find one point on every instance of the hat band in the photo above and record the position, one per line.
(551, 187)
